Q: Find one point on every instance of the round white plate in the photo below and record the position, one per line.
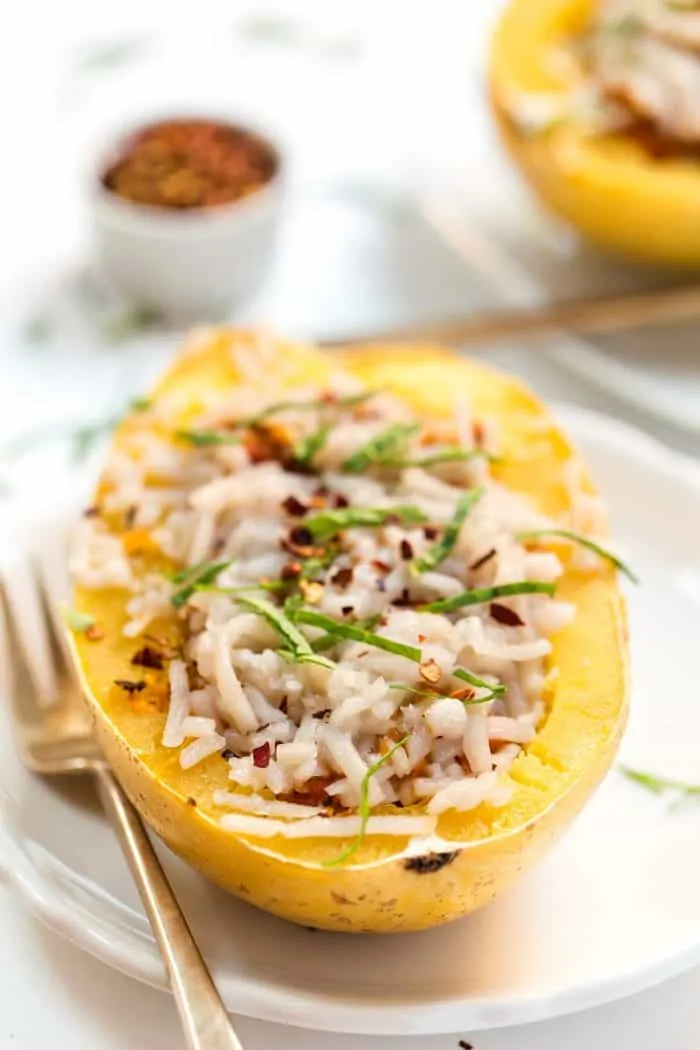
(615, 907)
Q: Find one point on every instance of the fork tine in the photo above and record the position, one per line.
(54, 588)
(28, 632)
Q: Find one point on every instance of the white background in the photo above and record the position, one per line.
(411, 95)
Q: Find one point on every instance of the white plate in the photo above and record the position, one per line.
(615, 908)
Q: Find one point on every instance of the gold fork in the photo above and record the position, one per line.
(54, 735)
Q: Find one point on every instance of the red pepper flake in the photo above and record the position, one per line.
(94, 633)
(290, 570)
(148, 657)
(505, 615)
(480, 562)
(129, 687)
(343, 577)
(478, 433)
(340, 501)
(430, 532)
(346, 610)
(261, 756)
(92, 511)
(406, 550)
(295, 507)
(192, 802)
(430, 671)
(465, 693)
(185, 164)
(404, 599)
(381, 566)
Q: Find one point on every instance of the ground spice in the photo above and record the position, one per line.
(185, 164)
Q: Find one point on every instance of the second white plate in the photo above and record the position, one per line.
(615, 908)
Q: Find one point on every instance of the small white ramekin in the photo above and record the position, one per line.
(192, 265)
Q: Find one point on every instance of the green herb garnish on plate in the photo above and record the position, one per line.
(659, 785)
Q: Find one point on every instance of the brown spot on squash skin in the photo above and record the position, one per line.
(430, 863)
(340, 898)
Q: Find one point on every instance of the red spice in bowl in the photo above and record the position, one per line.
(191, 163)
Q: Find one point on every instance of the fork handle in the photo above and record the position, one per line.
(203, 1015)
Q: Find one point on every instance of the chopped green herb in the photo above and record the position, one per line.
(141, 404)
(124, 326)
(84, 439)
(481, 595)
(316, 403)
(364, 808)
(306, 450)
(327, 641)
(436, 554)
(352, 632)
(206, 438)
(414, 690)
(582, 541)
(195, 575)
(447, 455)
(244, 588)
(296, 644)
(110, 55)
(328, 522)
(359, 632)
(292, 605)
(77, 621)
(478, 683)
(312, 567)
(659, 785)
(382, 447)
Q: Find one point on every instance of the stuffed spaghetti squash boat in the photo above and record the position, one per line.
(346, 627)
(598, 102)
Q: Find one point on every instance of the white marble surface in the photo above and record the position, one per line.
(354, 258)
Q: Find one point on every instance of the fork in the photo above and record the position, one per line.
(54, 736)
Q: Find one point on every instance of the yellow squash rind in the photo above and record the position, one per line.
(608, 187)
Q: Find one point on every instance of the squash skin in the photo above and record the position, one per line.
(482, 852)
(608, 187)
